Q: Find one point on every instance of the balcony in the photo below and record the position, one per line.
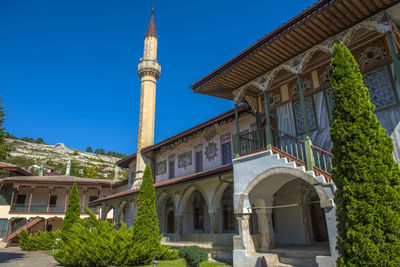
(287, 146)
(34, 208)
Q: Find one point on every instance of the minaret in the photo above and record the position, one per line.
(149, 71)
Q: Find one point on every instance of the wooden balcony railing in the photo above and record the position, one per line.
(288, 146)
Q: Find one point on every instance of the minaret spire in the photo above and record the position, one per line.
(149, 71)
(151, 29)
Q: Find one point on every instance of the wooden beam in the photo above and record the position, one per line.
(337, 13)
(334, 20)
(351, 6)
(300, 43)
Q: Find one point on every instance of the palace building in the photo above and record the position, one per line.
(253, 185)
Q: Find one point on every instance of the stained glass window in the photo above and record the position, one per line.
(226, 153)
(380, 87)
(298, 112)
(199, 161)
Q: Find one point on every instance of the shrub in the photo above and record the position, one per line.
(38, 241)
(72, 215)
(193, 255)
(366, 176)
(93, 242)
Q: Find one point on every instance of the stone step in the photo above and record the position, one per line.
(298, 261)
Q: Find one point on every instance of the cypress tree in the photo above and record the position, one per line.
(366, 176)
(4, 148)
(146, 238)
(72, 215)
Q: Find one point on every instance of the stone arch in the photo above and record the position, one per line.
(243, 203)
(192, 213)
(217, 196)
(187, 194)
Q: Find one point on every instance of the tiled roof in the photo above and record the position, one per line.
(14, 168)
(174, 181)
(58, 179)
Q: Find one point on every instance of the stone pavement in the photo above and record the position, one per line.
(14, 256)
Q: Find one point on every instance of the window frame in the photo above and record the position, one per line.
(310, 95)
(388, 66)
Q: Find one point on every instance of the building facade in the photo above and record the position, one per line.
(254, 184)
(39, 203)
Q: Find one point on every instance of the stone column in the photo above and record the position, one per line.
(330, 217)
(213, 222)
(66, 199)
(243, 241)
(178, 225)
(30, 199)
(48, 200)
(264, 230)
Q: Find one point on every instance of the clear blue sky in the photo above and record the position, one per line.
(68, 69)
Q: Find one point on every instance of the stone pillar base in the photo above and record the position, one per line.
(325, 261)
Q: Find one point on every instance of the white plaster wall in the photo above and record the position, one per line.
(289, 227)
(244, 124)
(4, 209)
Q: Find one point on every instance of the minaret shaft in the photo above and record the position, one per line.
(149, 71)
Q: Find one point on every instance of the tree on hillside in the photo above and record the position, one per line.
(4, 149)
(89, 149)
(72, 214)
(39, 140)
(366, 176)
(100, 151)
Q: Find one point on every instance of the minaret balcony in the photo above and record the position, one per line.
(149, 67)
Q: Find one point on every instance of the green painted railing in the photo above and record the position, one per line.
(302, 152)
(38, 208)
(15, 227)
(19, 207)
(59, 208)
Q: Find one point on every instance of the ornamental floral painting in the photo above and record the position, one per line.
(185, 159)
(161, 167)
(211, 151)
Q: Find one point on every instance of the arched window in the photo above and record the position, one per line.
(169, 210)
(227, 209)
(198, 211)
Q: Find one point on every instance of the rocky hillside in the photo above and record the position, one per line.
(59, 154)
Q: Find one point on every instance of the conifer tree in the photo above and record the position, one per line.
(72, 215)
(366, 176)
(146, 236)
(4, 149)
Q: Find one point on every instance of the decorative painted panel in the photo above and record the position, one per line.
(274, 97)
(294, 90)
(380, 87)
(325, 76)
(211, 151)
(185, 159)
(299, 115)
(371, 55)
(161, 167)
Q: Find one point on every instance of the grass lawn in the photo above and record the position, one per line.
(181, 263)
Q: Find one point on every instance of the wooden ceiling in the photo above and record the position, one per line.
(324, 19)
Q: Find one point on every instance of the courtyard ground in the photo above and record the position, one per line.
(14, 256)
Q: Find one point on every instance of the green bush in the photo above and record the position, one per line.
(38, 241)
(193, 255)
(92, 242)
(366, 176)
